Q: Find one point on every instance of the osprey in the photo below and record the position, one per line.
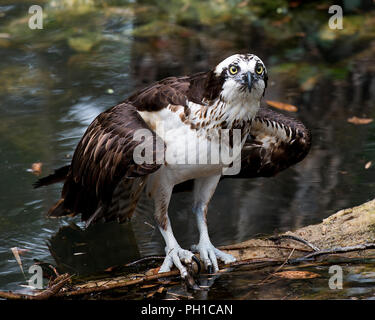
(105, 179)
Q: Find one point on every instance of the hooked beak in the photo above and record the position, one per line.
(249, 80)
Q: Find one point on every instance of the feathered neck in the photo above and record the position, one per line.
(222, 115)
(214, 104)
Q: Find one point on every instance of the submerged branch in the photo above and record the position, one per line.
(336, 250)
(45, 294)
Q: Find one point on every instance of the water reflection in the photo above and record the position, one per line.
(53, 85)
(93, 250)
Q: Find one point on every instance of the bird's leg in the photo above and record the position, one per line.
(174, 254)
(203, 191)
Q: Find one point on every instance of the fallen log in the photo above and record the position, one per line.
(349, 232)
(347, 228)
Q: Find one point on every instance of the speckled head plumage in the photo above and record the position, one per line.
(242, 74)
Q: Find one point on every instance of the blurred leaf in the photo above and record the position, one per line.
(279, 23)
(36, 168)
(296, 274)
(18, 258)
(81, 44)
(356, 120)
(309, 84)
(282, 106)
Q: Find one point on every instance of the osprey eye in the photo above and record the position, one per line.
(233, 69)
(259, 69)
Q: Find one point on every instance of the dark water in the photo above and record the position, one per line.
(53, 82)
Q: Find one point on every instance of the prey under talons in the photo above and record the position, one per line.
(209, 255)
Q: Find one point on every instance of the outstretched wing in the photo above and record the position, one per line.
(103, 159)
(275, 143)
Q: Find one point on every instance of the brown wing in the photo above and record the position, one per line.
(275, 143)
(177, 90)
(97, 180)
(103, 158)
(159, 95)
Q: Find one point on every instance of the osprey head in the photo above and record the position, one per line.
(243, 76)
